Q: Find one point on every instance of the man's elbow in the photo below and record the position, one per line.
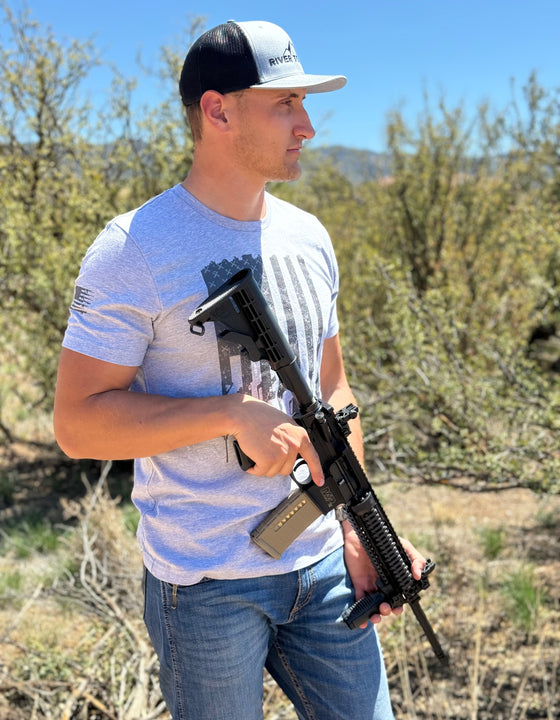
(70, 447)
(69, 438)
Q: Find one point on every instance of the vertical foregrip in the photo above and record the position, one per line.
(396, 582)
(361, 611)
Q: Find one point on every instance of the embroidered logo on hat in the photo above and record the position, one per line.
(252, 54)
(288, 56)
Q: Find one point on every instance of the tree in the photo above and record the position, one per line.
(45, 193)
(64, 171)
(461, 253)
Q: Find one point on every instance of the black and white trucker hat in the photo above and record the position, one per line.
(239, 55)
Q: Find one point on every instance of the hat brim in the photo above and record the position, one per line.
(312, 83)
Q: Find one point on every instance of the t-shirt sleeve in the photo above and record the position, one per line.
(115, 302)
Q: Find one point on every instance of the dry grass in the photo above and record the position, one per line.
(73, 646)
(501, 667)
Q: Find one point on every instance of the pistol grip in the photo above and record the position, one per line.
(244, 460)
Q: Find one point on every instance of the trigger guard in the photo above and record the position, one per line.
(301, 474)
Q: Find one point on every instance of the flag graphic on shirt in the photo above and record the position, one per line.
(287, 278)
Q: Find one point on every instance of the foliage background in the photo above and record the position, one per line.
(449, 262)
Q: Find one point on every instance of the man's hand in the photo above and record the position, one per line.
(364, 576)
(273, 440)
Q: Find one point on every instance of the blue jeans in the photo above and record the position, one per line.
(214, 638)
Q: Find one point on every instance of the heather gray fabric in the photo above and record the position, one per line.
(139, 282)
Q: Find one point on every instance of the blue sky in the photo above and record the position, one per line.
(392, 51)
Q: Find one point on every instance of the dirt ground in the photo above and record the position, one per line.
(499, 669)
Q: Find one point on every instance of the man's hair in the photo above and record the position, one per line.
(194, 119)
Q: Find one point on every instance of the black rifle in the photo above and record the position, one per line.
(242, 315)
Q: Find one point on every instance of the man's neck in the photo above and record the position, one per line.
(226, 193)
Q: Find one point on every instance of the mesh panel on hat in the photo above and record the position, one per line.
(219, 60)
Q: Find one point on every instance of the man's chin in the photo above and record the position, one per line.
(290, 174)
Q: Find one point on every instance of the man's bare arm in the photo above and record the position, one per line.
(97, 416)
(337, 392)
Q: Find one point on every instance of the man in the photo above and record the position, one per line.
(133, 383)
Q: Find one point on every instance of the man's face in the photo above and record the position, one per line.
(270, 130)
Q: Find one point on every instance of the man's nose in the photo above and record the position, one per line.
(304, 128)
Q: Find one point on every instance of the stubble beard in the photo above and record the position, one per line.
(271, 163)
(262, 163)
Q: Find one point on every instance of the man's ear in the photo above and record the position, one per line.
(213, 107)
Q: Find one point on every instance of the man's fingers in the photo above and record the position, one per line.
(309, 454)
(417, 560)
(418, 566)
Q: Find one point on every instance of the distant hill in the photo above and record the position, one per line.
(357, 165)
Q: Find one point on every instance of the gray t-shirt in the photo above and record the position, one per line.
(139, 282)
